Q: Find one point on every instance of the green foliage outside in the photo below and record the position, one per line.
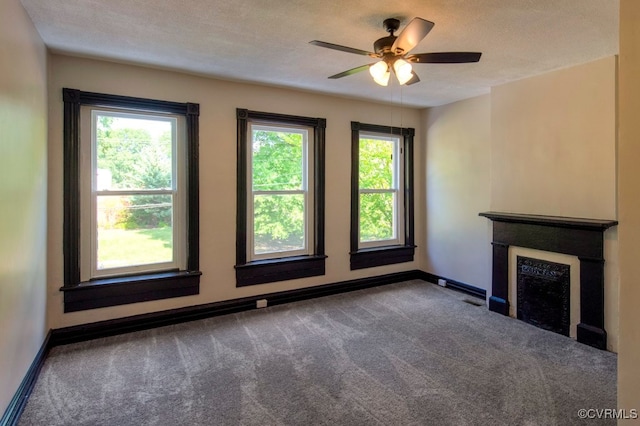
(277, 165)
(137, 160)
(376, 172)
(133, 154)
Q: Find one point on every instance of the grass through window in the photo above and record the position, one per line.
(124, 247)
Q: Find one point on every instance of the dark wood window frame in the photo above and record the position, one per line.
(112, 291)
(286, 268)
(386, 255)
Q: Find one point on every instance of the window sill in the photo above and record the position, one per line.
(105, 292)
(379, 256)
(272, 270)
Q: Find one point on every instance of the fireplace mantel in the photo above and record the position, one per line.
(573, 236)
(555, 221)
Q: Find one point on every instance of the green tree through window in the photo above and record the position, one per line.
(134, 183)
(376, 167)
(382, 219)
(279, 189)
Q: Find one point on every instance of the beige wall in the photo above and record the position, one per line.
(218, 102)
(542, 145)
(553, 143)
(23, 192)
(629, 206)
(458, 187)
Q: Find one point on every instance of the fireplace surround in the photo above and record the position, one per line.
(573, 236)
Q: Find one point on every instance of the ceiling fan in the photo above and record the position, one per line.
(393, 53)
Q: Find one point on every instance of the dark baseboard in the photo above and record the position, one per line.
(456, 285)
(20, 398)
(113, 327)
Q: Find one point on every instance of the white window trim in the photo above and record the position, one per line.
(89, 194)
(306, 190)
(397, 190)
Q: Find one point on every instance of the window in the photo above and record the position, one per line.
(381, 195)
(380, 190)
(131, 200)
(279, 210)
(280, 226)
(132, 171)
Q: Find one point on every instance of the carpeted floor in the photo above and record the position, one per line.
(410, 353)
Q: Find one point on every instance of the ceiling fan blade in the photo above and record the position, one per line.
(415, 79)
(351, 71)
(444, 57)
(343, 48)
(412, 34)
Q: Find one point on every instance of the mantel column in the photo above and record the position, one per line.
(499, 300)
(591, 326)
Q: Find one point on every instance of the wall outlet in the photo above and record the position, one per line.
(442, 282)
(262, 303)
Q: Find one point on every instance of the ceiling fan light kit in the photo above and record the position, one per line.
(403, 69)
(380, 73)
(393, 53)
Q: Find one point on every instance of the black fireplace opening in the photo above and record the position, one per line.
(543, 294)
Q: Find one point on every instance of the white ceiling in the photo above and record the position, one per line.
(266, 41)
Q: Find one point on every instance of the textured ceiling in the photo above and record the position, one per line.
(266, 41)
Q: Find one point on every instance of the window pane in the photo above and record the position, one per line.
(278, 223)
(376, 164)
(277, 160)
(376, 217)
(134, 230)
(133, 153)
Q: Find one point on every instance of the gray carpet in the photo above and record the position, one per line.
(410, 353)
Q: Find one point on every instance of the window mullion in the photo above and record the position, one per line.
(137, 192)
(280, 192)
(377, 191)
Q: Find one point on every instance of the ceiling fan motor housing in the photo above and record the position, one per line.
(383, 45)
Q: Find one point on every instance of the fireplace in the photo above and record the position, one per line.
(544, 294)
(571, 236)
